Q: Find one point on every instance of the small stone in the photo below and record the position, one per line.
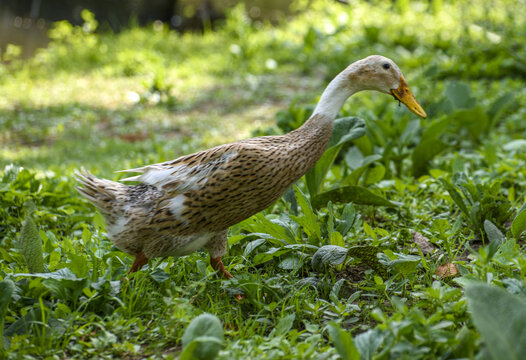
(425, 245)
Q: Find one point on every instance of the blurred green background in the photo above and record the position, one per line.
(151, 85)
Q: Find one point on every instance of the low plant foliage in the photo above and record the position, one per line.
(333, 269)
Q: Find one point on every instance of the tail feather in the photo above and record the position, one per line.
(102, 193)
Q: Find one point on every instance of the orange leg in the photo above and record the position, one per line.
(138, 263)
(217, 265)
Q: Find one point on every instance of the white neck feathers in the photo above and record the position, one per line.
(332, 99)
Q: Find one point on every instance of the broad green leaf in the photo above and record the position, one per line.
(344, 131)
(24, 323)
(208, 331)
(493, 232)
(365, 145)
(424, 152)
(291, 199)
(368, 343)
(409, 132)
(234, 239)
(436, 128)
(355, 175)
(370, 159)
(30, 245)
(519, 223)
(78, 264)
(499, 106)
(459, 94)
(188, 351)
(374, 174)
(337, 239)
(301, 247)
(437, 173)
(346, 220)
(404, 264)
(458, 165)
(352, 193)
(335, 291)
(500, 318)
(269, 255)
(328, 255)
(61, 274)
(507, 252)
(515, 286)
(475, 120)
(316, 175)
(260, 224)
(99, 222)
(159, 275)
(309, 220)
(104, 283)
(312, 281)
(86, 236)
(6, 291)
(63, 283)
(7, 288)
(201, 348)
(291, 262)
(285, 324)
(343, 342)
(251, 246)
(468, 189)
(369, 230)
(353, 158)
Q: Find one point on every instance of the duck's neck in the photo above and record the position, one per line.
(332, 99)
(312, 138)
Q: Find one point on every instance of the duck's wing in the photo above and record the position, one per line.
(190, 172)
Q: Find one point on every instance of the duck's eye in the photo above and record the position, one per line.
(386, 66)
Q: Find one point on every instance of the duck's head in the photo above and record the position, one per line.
(379, 73)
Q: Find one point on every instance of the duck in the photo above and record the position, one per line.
(180, 206)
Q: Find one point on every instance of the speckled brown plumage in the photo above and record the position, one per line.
(189, 203)
(224, 191)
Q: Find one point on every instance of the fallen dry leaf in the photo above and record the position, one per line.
(447, 270)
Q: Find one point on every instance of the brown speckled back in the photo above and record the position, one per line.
(206, 192)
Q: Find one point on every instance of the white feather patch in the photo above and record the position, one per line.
(153, 175)
(176, 206)
(193, 243)
(118, 227)
(189, 177)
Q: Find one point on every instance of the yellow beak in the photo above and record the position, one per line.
(405, 96)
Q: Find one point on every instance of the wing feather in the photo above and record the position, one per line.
(185, 173)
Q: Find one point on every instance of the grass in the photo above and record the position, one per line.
(322, 279)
